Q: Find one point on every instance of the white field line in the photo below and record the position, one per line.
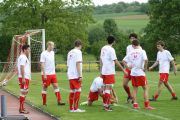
(126, 107)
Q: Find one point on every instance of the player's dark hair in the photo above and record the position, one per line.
(25, 47)
(133, 35)
(77, 43)
(135, 42)
(110, 39)
(161, 43)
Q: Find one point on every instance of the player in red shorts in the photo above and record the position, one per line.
(108, 60)
(24, 76)
(127, 78)
(74, 73)
(48, 73)
(138, 65)
(164, 58)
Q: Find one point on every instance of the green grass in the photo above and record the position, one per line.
(125, 21)
(165, 108)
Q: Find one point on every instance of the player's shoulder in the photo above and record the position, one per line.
(167, 51)
(129, 46)
(22, 56)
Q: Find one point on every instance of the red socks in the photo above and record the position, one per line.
(106, 98)
(173, 94)
(44, 94)
(156, 96)
(146, 104)
(127, 89)
(21, 102)
(58, 95)
(71, 100)
(74, 100)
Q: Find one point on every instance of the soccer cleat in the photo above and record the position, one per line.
(84, 103)
(174, 98)
(108, 109)
(71, 110)
(152, 99)
(129, 99)
(149, 108)
(44, 104)
(61, 103)
(115, 104)
(79, 110)
(23, 112)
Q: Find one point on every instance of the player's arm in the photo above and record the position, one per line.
(154, 65)
(43, 70)
(22, 73)
(101, 64)
(174, 67)
(100, 91)
(78, 67)
(119, 66)
(145, 65)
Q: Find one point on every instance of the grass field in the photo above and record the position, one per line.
(125, 21)
(165, 108)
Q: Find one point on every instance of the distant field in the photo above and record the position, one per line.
(165, 108)
(125, 21)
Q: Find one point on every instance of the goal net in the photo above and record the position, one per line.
(36, 40)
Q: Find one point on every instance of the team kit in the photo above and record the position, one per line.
(135, 66)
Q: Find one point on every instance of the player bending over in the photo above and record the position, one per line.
(139, 61)
(108, 60)
(96, 90)
(48, 73)
(74, 73)
(164, 58)
(24, 76)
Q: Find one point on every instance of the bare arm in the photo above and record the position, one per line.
(43, 69)
(78, 67)
(174, 67)
(22, 73)
(100, 91)
(125, 64)
(145, 65)
(119, 66)
(154, 65)
(101, 64)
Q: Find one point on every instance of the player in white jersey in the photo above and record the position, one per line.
(127, 78)
(47, 61)
(74, 73)
(108, 60)
(96, 90)
(24, 76)
(164, 58)
(138, 64)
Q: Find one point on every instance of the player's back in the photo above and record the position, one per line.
(96, 84)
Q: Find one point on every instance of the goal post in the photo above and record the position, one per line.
(36, 40)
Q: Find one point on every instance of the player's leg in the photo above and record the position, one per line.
(23, 92)
(170, 89)
(135, 104)
(57, 93)
(46, 83)
(126, 80)
(158, 92)
(107, 96)
(146, 98)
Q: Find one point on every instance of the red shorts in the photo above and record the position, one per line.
(50, 79)
(164, 77)
(108, 79)
(74, 84)
(138, 81)
(93, 96)
(129, 74)
(24, 86)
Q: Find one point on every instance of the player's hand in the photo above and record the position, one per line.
(23, 81)
(125, 72)
(80, 79)
(150, 68)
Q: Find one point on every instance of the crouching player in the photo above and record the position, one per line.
(139, 61)
(96, 90)
(164, 58)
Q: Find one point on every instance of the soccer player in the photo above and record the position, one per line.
(164, 58)
(96, 90)
(138, 65)
(127, 78)
(74, 73)
(48, 73)
(108, 60)
(24, 76)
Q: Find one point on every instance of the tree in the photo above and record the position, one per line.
(164, 25)
(110, 27)
(64, 21)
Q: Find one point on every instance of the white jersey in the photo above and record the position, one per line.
(24, 61)
(108, 55)
(129, 49)
(49, 62)
(137, 59)
(164, 58)
(97, 84)
(73, 57)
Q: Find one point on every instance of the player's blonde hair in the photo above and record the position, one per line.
(50, 43)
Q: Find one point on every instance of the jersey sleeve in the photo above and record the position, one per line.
(42, 59)
(113, 55)
(79, 57)
(22, 61)
(169, 56)
(125, 58)
(157, 59)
